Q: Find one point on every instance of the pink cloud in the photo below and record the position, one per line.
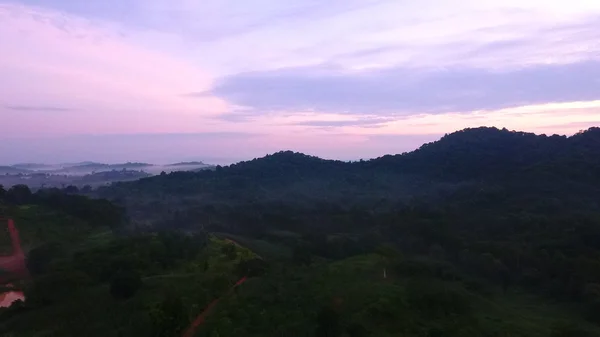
(105, 80)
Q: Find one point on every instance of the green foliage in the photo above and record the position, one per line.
(98, 212)
(436, 299)
(357, 330)
(72, 296)
(54, 287)
(328, 323)
(388, 251)
(169, 317)
(478, 234)
(350, 297)
(301, 255)
(229, 250)
(2, 194)
(39, 258)
(18, 195)
(42, 225)
(125, 284)
(569, 330)
(252, 267)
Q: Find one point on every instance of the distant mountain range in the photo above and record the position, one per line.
(187, 163)
(13, 170)
(87, 167)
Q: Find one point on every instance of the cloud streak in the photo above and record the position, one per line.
(367, 122)
(406, 91)
(37, 108)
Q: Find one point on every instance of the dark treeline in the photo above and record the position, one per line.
(97, 212)
(518, 208)
(471, 154)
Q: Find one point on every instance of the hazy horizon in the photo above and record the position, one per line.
(227, 161)
(208, 161)
(165, 81)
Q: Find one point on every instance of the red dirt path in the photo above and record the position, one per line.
(13, 264)
(191, 330)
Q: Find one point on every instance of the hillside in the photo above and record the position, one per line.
(482, 153)
(483, 159)
(485, 232)
(517, 209)
(174, 277)
(350, 297)
(490, 153)
(54, 216)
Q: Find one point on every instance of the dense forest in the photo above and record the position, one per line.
(485, 232)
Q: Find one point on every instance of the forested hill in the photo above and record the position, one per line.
(490, 152)
(485, 232)
(467, 155)
(482, 170)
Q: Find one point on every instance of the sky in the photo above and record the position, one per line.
(225, 80)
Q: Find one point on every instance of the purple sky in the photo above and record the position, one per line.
(224, 80)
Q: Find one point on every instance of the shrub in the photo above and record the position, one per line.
(125, 284)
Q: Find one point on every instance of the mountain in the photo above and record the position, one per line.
(83, 163)
(31, 166)
(467, 156)
(12, 170)
(188, 163)
(518, 212)
(493, 153)
(485, 232)
(99, 167)
(488, 167)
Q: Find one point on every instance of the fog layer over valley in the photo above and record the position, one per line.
(36, 175)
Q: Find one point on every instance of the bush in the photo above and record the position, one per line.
(53, 287)
(437, 300)
(125, 284)
(251, 268)
(40, 257)
(169, 317)
(569, 330)
(357, 330)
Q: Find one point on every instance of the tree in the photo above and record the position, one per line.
(125, 284)
(389, 253)
(328, 323)
(71, 189)
(56, 286)
(19, 195)
(169, 317)
(2, 193)
(39, 258)
(569, 330)
(252, 267)
(301, 255)
(357, 330)
(229, 250)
